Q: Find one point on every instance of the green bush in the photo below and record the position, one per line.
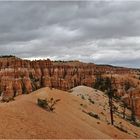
(102, 83)
(47, 104)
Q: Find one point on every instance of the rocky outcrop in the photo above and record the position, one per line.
(132, 99)
(23, 76)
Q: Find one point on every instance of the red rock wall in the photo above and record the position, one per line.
(23, 76)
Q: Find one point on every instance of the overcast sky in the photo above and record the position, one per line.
(94, 31)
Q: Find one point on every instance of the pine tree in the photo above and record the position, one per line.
(133, 118)
(110, 93)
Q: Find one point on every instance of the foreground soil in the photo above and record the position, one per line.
(23, 118)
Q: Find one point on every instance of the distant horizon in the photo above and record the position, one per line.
(83, 62)
(45, 58)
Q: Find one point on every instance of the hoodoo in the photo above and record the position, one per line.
(20, 76)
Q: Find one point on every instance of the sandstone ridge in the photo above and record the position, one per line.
(20, 76)
(24, 76)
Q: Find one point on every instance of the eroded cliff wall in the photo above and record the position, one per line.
(19, 76)
(23, 76)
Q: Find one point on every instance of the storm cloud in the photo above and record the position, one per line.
(106, 32)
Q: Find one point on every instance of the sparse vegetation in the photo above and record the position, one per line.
(103, 83)
(96, 90)
(8, 99)
(83, 105)
(24, 89)
(107, 84)
(6, 56)
(70, 91)
(127, 85)
(0, 91)
(133, 117)
(47, 104)
(92, 114)
(121, 128)
(110, 93)
(83, 97)
(136, 124)
(91, 101)
(124, 106)
(100, 83)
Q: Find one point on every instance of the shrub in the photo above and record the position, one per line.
(121, 128)
(7, 99)
(70, 91)
(47, 104)
(83, 105)
(92, 114)
(137, 124)
(83, 97)
(91, 101)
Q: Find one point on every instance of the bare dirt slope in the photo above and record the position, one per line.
(23, 118)
(100, 106)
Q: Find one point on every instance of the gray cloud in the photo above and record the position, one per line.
(105, 32)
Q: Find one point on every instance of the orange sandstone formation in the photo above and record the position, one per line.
(24, 76)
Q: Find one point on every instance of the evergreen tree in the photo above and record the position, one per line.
(110, 93)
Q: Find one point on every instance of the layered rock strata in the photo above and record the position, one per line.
(23, 76)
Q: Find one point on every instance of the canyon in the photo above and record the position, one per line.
(20, 76)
